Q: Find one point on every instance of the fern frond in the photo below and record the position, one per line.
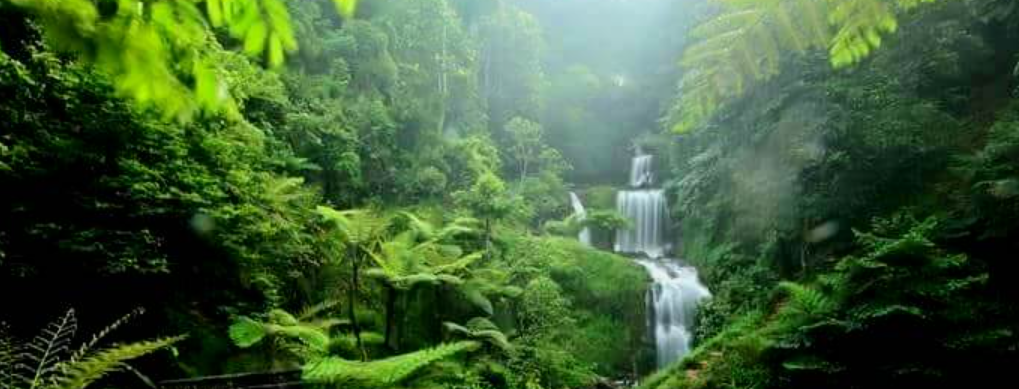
(382, 373)
(460, 264)
(8, 358)
(312, 337)
(246, 332)
(40, 358)
(422, 229)
(281, 317)
(83, 372)
(480, 328)
(310, 312)
(85, 348)
(356, 226)
(474, 292)
(744, 44)
(807, 300)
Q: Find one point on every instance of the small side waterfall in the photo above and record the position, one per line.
(578, 209)
(676, 291)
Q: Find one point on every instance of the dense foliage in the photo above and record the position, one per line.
(872, 191)
(374, 193)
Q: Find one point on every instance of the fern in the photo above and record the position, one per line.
(40, 363)
(481, 329)
(245, 332)
(8, 356)
(146, 45)
(356, 226)
(79, 374)
(745, 43)
(808, 300)
(310, 312)
(102, 334)
(382, 373)
(40, 359)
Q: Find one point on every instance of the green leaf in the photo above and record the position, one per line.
(82, 373)
(246, 332)
(383, 373)
(346, 8)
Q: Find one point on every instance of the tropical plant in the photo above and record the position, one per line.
(49, 361)
(355, 234)
(382, 373)
(416, 257)
(315, 350)
(746, 42)
(480, 329)
(162, 53)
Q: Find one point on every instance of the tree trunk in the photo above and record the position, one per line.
(437, 304)
(351, 301)
(390, 316)
(488, 238)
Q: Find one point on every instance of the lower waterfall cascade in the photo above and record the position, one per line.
(676, 291)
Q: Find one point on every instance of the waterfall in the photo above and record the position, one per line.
(676, 291)
(672, 301)
(578, 209)
(647, 211)
(640, 171)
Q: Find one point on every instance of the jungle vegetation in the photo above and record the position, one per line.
(373, 193)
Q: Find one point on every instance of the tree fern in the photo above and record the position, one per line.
(246, 332)
(381, 373)
(481, 329)
(355, 226)
(744, 45)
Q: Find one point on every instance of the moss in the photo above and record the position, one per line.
(599, 197)
(606, 292)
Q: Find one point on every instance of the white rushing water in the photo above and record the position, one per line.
(673, 300)
(648, 213)
(640, 171)
(676, 291)
(578, 209)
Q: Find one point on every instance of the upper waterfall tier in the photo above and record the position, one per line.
(648, 212)
(640, 171)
